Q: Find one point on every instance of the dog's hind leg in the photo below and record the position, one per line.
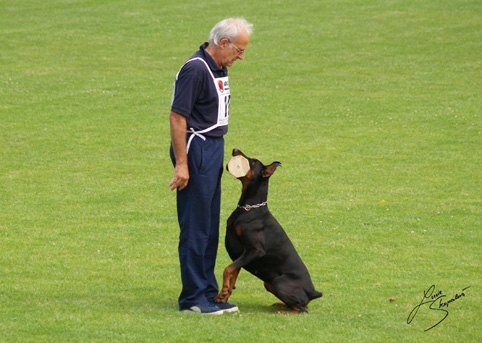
(291, 294)
(269, 287)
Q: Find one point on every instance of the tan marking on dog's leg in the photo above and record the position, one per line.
(229, 280)
(234, 278)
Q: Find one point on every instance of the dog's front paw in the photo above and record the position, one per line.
(222, 297)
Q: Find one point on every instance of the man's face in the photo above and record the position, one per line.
(236, 51)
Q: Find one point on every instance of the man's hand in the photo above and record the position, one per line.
(181, 177)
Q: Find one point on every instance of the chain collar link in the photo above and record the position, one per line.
(248, 208)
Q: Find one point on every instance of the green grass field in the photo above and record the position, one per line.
(373, 107)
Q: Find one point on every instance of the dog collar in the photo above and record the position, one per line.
(248, 208)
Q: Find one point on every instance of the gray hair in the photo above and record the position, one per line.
(229, 28)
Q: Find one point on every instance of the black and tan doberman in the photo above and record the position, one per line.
(256, 242)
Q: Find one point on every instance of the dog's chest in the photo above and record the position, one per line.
(233, 238)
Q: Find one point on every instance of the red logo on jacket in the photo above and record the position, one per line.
(221, 86)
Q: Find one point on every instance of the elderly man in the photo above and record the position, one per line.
(199, 120)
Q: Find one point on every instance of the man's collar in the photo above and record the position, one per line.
(210, 60)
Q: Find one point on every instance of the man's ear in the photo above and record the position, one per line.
(269, 170)
(224, 42)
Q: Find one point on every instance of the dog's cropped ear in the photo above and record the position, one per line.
(269, 170)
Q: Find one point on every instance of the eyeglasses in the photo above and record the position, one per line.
(240, 51)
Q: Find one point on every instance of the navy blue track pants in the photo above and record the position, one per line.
(198, 210)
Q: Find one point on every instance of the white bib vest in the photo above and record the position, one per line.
(224, 96)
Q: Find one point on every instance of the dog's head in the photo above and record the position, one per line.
(249, 170)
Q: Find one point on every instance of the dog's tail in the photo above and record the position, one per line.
(315, 295)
